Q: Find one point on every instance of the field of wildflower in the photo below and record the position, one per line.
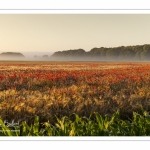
(50, 89)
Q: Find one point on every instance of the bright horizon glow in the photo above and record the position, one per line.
(48, 33)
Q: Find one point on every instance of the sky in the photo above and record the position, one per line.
(47, 33)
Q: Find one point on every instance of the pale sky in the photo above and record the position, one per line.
(58, 32)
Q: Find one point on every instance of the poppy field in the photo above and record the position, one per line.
(52, 90)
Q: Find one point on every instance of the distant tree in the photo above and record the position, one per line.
(45, 56)
(145, 54)
(111, 54)
(12, 54)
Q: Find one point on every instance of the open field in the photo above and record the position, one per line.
(47, 89)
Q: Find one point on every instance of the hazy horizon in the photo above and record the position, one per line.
(38, 54)
(48, 33)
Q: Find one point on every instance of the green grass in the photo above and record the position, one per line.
(95, 125)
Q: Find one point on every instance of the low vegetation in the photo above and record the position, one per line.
(95, 125)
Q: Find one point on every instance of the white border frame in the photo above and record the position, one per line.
(104, 9)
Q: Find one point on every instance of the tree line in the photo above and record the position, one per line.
(138, 52)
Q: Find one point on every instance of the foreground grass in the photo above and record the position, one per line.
(95, 125)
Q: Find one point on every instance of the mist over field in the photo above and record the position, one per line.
(80, 59)
(120, 54)
(92, 59)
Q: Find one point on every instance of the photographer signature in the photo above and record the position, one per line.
(10, 124)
